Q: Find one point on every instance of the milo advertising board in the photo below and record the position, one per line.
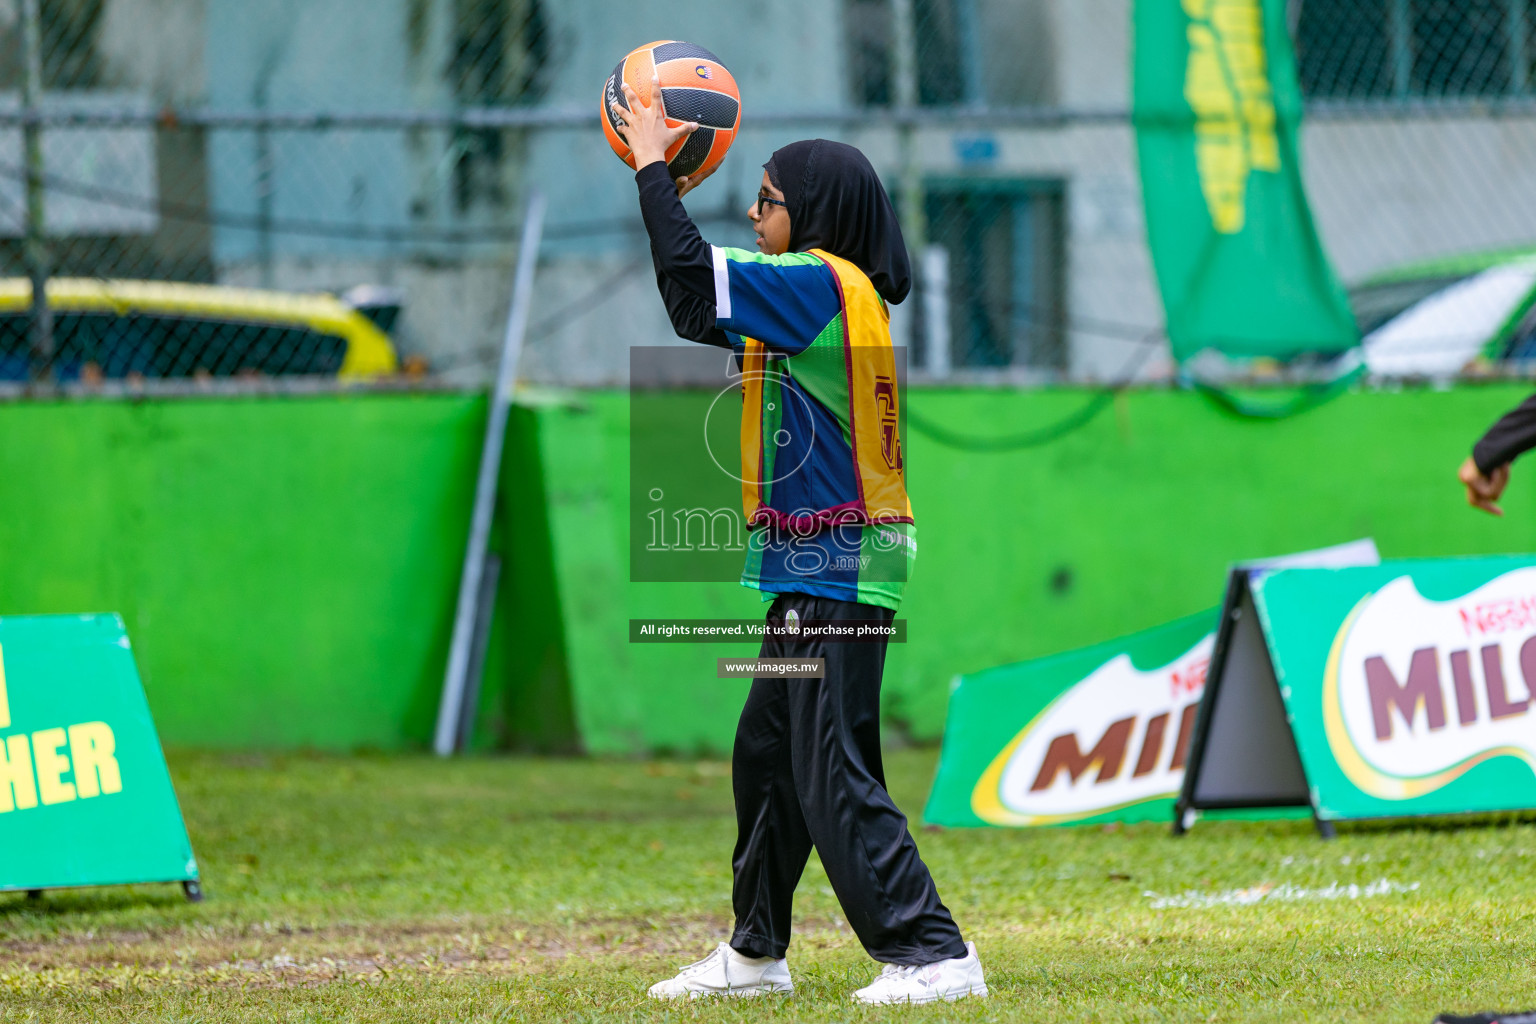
(1409, 685)
(85, 798)
(1095, 734)
(1386, 691)
(1099, 734)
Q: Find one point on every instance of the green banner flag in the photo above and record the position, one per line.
(1217, 109)
(85, 797)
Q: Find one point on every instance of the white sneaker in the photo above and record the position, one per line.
(726, 972)
(927, 983)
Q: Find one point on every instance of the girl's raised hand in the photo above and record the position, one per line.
(645, 129)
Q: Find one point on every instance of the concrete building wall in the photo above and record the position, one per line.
(1388, 192)
(785, 56)
(1111, 295)
(1019, 52)
(1075, 52)
(1384, 191)
(294, 55)
(155, 47)
(1093, 52)
(325, 55)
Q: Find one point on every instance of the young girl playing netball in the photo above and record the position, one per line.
(832, 540)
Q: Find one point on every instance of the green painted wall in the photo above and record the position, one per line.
(287, 566)
(1123, 525)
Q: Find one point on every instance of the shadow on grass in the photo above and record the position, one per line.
(1437, 823)
(60, 902)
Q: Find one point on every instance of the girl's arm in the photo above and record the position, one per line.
(782, 301)
(785, 301)
(684, 272)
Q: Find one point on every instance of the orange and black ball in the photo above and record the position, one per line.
(695, 86)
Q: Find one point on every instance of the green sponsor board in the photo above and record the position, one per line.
(85, 798)
(1217, 108)
(1097, 734)
(1385, 691)
(1093, 735)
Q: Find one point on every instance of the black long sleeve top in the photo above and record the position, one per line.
(1514, 433)
(684, 265)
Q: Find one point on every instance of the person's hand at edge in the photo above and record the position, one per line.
(1484, 491)
(644, 128)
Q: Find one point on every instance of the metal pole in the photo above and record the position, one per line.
(266, 174)
(479, 646)
(451, 708)
(914, 217)
(1400, 46)
(968, 31)
(1517, 28)
(904, 57)
(35, 248)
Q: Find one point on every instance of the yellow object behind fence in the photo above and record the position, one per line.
(369, 352)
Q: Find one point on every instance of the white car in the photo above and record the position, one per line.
(1435, 319)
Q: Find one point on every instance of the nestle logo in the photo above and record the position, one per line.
(1500, 616)
(1189, 679)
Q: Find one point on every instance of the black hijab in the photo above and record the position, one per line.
(836, 202)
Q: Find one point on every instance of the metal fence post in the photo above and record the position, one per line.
(1517, 35)
(35, 247)
(904, 53)
(1400, 46)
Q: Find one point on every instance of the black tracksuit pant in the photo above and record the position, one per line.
(806, 771)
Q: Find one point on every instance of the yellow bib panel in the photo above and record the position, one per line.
(863, 400)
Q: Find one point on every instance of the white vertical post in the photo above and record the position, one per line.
(936, 310)
(901, 324)
(451, 708)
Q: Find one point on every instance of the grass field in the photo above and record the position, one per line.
(406, 889)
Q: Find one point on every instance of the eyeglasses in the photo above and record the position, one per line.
(762, 198)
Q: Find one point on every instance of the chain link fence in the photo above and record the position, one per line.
(220, 193)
